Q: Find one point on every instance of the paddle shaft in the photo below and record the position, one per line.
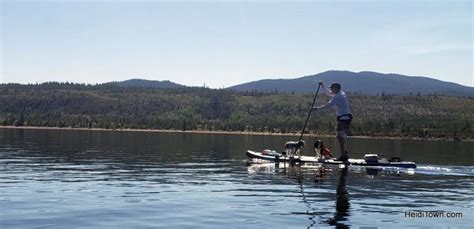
(309, 113)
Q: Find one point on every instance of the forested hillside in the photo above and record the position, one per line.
(114, 107)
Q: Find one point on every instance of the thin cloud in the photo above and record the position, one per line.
(442, 48)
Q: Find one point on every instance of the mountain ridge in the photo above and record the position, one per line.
(365, 82)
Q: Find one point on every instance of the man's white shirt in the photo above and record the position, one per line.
(339, 100)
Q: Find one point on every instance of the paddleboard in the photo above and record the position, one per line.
(277, 157)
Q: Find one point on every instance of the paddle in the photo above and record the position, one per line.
(310, 110)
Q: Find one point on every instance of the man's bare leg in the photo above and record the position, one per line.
(341, 137)
(342, 145)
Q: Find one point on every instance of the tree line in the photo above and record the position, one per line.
(194, 108)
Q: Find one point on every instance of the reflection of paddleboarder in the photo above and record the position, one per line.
(342, 201)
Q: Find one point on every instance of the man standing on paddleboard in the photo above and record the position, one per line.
(343, 113)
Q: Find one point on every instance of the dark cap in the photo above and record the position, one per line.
(335, 85)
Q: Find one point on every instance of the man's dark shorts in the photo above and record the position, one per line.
(344, 122)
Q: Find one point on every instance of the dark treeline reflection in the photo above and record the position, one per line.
(131, 146)
(179, 178)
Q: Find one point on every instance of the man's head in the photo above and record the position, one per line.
(335, 87)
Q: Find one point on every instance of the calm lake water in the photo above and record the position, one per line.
(104, 179)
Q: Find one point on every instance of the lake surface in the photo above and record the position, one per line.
(105, 179)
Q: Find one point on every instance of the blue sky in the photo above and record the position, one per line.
(223, 43)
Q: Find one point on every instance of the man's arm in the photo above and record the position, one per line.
(330, 104)
(325, 90)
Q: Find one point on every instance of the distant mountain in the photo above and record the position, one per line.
(147, 83)
(364, 82)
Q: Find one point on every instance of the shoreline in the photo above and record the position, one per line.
(223, 132)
